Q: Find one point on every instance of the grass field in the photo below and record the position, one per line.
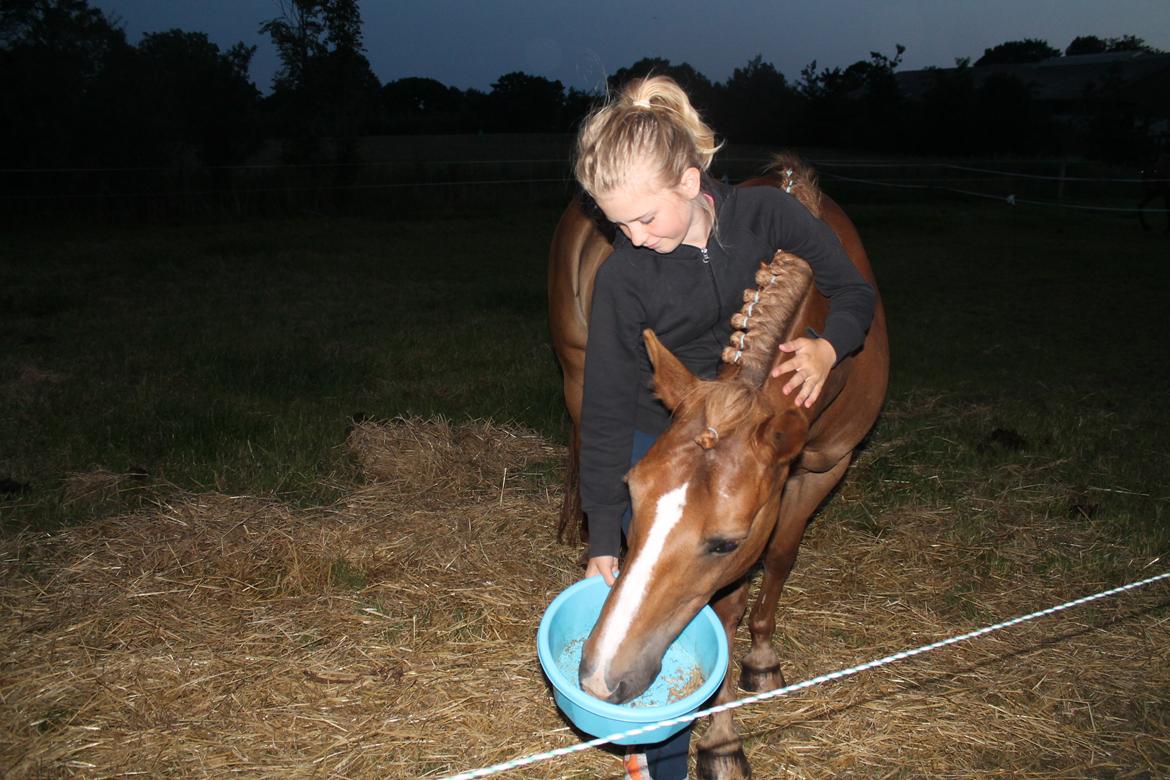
(234, 355)
(202, 578)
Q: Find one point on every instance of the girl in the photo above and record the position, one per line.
(687, 247)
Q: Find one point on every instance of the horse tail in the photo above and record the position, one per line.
(571, 526)
(798, 179)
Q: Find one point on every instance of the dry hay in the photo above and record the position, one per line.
(392, 635)
(434, 462)
(100, 485)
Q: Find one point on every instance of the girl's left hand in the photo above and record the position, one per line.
(812, 359)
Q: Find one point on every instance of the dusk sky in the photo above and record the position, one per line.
(465, 43)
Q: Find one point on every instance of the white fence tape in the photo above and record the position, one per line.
(534, 758)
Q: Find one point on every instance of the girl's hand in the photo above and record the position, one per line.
(812, 359)
(605, 565)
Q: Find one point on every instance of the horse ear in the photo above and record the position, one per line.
(785, 433)
(671, 378)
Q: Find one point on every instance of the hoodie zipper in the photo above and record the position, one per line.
(706, 257)
(711, 274)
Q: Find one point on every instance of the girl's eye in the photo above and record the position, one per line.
(647, 221)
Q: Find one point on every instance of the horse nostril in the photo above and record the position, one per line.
(619, 693)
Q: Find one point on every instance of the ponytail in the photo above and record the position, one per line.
(650, 123)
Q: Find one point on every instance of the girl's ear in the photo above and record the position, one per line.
(690, 183)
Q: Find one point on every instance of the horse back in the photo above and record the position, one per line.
(849, 406)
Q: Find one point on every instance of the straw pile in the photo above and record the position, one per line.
(392, 635)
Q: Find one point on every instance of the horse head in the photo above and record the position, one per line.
(706, 495)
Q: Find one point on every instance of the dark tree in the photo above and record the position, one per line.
(421, 105)
(53, 54)
(520, 103)
(578, 103)
(858, 106)
(1091, 44)
(194, 97)
(1130, 43)
(325, 87)
(697, 86)
(1085, 44)
(756, 105)
(1015, 52)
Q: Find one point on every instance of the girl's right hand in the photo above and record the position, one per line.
(605, 565)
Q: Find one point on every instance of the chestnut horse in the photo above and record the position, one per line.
(736, 476)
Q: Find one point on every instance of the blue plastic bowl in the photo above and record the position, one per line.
(571, 617)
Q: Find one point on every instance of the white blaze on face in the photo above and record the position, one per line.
(667, 513)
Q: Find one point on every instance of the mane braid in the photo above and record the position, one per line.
(765, 319)
(798, 179)
(763, 322)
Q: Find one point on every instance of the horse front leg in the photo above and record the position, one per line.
(760, 668)
(720, 753)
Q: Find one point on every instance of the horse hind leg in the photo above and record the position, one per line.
(760, 668)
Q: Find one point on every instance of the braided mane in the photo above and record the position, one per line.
(798, 179)
(765, 319)
(780, 285)
(760, 326)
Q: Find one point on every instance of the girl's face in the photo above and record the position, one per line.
(655, 217)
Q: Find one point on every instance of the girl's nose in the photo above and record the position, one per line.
(637, 234)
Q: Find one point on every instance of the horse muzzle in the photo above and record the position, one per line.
(602, 683)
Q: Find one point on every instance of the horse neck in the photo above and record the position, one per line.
(767, 317)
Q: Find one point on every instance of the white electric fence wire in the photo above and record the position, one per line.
(318, 188)
(1005, 174)
(1011, 199)
(534, 758)
(284, 166)
(368, 164)
(917, 183)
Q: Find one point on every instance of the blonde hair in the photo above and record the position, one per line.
(651, 122)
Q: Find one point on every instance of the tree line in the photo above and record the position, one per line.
(76, 93)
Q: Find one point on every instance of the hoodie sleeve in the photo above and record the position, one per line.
(609, 407)
(851, 297)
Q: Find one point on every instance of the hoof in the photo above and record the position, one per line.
(710, 765)
(756, 680)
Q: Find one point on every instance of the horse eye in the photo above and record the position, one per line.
(722, 546)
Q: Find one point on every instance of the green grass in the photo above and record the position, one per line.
(232, 356)
(1028, 370)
